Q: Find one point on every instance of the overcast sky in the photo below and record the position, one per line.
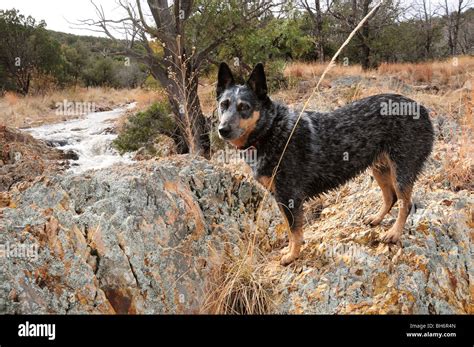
(58, 13)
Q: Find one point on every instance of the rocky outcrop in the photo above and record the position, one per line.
(22, 158)
(344, 269)
(147, 238)
(129, 239)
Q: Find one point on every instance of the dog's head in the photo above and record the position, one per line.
(240, 106)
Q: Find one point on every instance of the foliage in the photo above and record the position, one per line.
(26, 50)
(33, 58)
(142, 128)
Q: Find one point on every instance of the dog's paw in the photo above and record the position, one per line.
(372, 220)
(285, 250)
(391, 236)
(287, 259)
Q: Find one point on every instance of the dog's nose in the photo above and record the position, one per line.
(224, 130)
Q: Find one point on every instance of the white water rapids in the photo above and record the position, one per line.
(90, 138)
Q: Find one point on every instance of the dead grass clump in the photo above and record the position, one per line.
(453, 150)
(303, 70)
(459, 167)
(452, 72)
(309, 71)
(459, 173)
(423, 73)
(11, 98)
(239, 284)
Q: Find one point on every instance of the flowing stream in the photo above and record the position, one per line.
(88, 139)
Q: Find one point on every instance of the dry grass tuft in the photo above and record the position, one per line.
(451, 73)
(239, 284)
(11, 98)
(308, 71)
(459, 167)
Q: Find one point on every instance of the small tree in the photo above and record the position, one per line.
(348, 14)
(76, 60)
(26, 49)
(188, 32)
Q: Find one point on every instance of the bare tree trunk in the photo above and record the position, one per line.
(457, 23)
(428, 29)
(454, 22)
(364, 38)
(193, 126)
(316, 16)
(181, 78)
(181, 85)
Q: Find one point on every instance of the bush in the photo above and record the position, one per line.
(276, 79)
(142, 128)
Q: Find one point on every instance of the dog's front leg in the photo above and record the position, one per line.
(295, 236)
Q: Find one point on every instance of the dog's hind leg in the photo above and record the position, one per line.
(384, 177)
(403, 191)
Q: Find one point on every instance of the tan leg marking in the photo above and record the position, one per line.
(295, 240)
(385, 181)
(266, 181)
(395, 232)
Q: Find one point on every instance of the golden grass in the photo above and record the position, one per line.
(452, 72)
(459, 166)
(308, 71)
(35, 110)
(239, 284)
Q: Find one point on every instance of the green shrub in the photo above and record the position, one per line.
(142, 128)
(275, 78)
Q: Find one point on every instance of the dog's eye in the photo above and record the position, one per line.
(225, 104)
(243, 107)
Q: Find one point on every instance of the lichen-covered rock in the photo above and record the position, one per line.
(146, 238)
(344, 269)
(128, 239)
(22, 158)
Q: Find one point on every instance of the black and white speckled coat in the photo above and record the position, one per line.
(390, 133)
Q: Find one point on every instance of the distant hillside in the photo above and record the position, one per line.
(93, 43)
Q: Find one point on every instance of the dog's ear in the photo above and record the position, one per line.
(257, 81)
(224, 79)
